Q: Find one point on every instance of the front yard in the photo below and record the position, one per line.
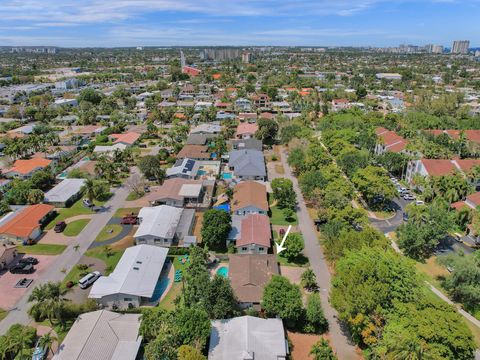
(277, 217)
(76, 209)
(41, 249)
(75, 227)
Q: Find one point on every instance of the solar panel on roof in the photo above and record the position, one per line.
(189, 165)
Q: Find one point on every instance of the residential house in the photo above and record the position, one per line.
(247, 164)
(25, 224)
(207, 129)
(248, 274)
(64, 193)
(8, 253)
(442, 167)
(248, 338)
(102, 335)
(243, 105)
(127, 139)
(246, 130)
(195, 152)
(241, 144)
(249, 197)
(164, 225)
(134, 279)
(24, 169)
(178, 192)
(109, 149)
(197, 139)
(249, 117)
(261, 101)
(255, 235)
(389, 141)
(340, 104)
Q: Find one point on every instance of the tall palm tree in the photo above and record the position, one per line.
(49, 301)
(89, 189)
(46, 341)
(408, 349)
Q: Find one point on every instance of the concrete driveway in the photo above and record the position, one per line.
(9, 294)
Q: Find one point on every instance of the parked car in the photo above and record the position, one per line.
(405, 216)
(409, 197)
(419, 202)
(129, 220)
(22, 269)
(60, 226)
(87, 203)
(29, 260)
(89, 279)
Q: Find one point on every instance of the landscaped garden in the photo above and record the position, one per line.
(277, 217)
(76, 209)
(109, 232)
(168, 301)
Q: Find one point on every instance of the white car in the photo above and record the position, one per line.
(409, 197)
(419, 202)
(89, 279)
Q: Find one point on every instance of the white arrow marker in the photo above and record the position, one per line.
(280, 247)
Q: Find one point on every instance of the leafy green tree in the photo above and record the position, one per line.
(368, 282)
(296, 159)
(394, 162)
(215, 228)
(425, 330)
(293, 246)
(352, 159)
(17, 340)
(90, 95)
(220, 301)
(42, 179)
(186, 352)
(321, 350)
(267, 130)
(374, 184)
(150, 167)
(35, 196)
(309, 280)
(283, 192)
(310, 181)
(284, 299)
(315, 319)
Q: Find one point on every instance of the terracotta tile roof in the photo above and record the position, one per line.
(437, 167)
(127, 138)
(246, 128)
(250, 273)
(25, 167)
(255, 230)
(471, 135)
(26, 221)
(170, 189)
(194, 152)
(466, 165)
(250, 193)
(392, 141)
(474, 199)
(459, 205)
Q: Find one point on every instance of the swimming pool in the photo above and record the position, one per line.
(162, 285)
(201, 172)
(227, 175)
(223, 271)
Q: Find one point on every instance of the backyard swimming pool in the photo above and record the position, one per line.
(162, 285)
(223, 271)
(227, 175)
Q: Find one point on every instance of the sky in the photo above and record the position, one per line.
(114, 23)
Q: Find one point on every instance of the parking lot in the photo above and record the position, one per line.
(9, 294)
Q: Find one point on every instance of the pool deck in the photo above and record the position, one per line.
(213, 270)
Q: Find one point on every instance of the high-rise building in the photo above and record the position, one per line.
(477, 53)
(434, 49)
(218, 54)
(247, 57)
(460, 47)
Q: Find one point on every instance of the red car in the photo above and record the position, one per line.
(129, 220)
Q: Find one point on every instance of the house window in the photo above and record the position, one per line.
(261, 249)
(127, 299)
(157, 240)
(244, 249)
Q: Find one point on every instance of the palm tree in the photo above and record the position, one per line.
(46, 341)
(89, 189)
(408, 349)
(49, 301)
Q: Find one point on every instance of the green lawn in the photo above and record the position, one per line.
(3, 314)
(76, 209)
(300, 261)
(109, 232)
(111, 260)
(126, 211)
(74, 275)
(134, 196)
(42, 249)
(75, 227)
(277, 217)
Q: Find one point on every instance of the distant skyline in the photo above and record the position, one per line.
(113, 23)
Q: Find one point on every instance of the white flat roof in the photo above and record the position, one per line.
(64, 190)
(190, 190)
(160, 221)
(136, 273)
